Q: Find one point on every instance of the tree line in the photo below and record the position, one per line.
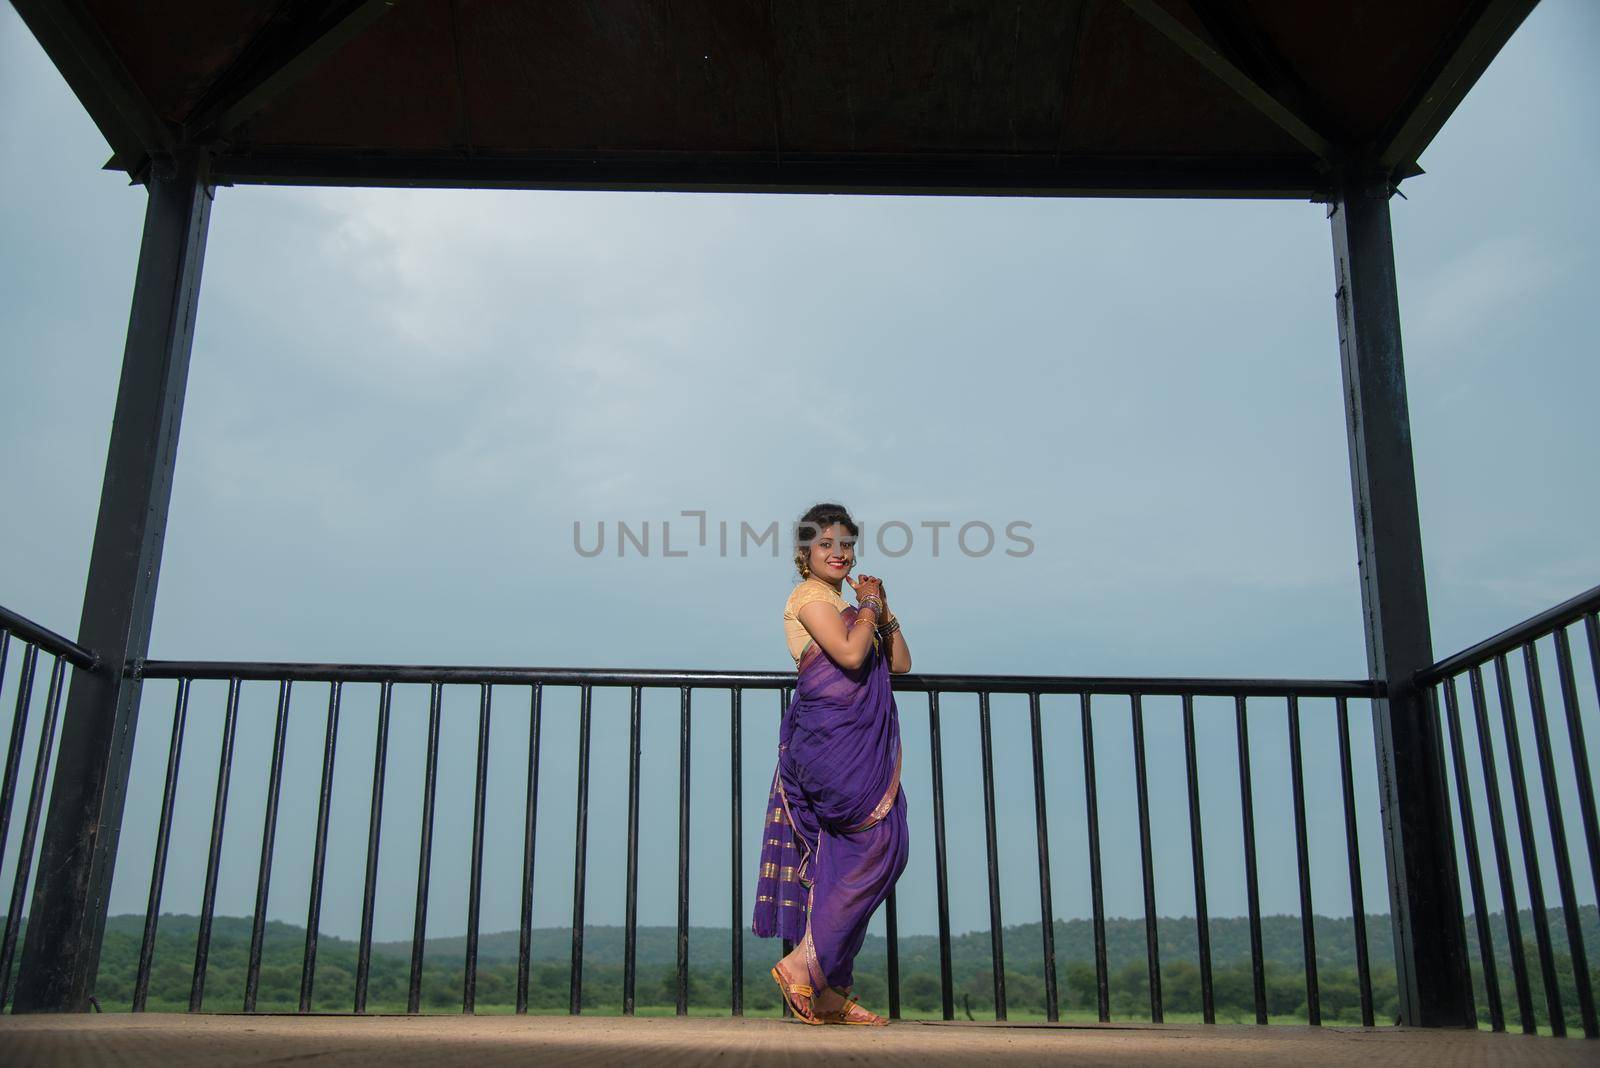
(710, 972)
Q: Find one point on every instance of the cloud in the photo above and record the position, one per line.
(1461, 297)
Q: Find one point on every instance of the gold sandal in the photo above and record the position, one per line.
(789, 990)
(852, 1013)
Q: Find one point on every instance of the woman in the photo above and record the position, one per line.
(835, 838)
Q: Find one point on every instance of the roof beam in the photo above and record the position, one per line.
(986, 174)
(276, 62)
(1239, 35)
(92, 69)
(1226, 71)
(1479, 39)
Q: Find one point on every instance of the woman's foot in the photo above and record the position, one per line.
(796, 987)
(838, 1007)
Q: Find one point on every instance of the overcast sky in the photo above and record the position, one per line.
(401, 402)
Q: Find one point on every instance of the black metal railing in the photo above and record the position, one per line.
(1493, 709)
(532, 684)
(63, 653)
(1550, 629)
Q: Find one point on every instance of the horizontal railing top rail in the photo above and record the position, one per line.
(48, 640)
(776, 680)
(1511, 638)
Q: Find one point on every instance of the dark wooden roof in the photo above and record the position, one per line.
(1126, 97)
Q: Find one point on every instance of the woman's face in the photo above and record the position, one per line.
(833, 553)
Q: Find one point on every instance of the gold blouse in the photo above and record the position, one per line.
(812, 589)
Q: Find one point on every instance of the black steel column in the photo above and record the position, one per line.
(68, 916)
(1424, 893)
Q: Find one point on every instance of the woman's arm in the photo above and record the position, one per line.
(899, 653)
(845, 646)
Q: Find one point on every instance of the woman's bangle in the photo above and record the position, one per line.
(889, 627)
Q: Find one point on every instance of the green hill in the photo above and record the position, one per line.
(710, 990)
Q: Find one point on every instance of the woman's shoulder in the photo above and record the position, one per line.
(808, 590)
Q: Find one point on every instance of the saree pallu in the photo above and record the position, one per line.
(834, 839)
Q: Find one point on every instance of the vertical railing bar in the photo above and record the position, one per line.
(1469, 832)
(1591, 631)
(580, 855)
(330, 742)
(1352, 844)
(630, 945)
(1530, 857)
(1573, 920)
(1502, 855)
(30, 825)
(469, 993)
(8, 776)
(430, 783)
(380, 760)
(1308, 934)
(941, 871)
(19, 729)
(891, 924)
(1152, 937)
(788, 946)
(1102, 981)
(219, 811)
(1580, 756)
(1258, 979)
(530, 823)
(5, 653)
(1197, 855)
(736, 850)
(158, 870)
(997, 949)
(683, 852)
(269, 832)
(1047, 912)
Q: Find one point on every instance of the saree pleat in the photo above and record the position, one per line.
(835, 835)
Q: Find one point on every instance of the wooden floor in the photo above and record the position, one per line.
(176, 1040)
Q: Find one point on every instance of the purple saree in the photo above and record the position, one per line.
(835, 838)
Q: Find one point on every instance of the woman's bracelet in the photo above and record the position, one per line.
(889, 627)
(872, 604)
